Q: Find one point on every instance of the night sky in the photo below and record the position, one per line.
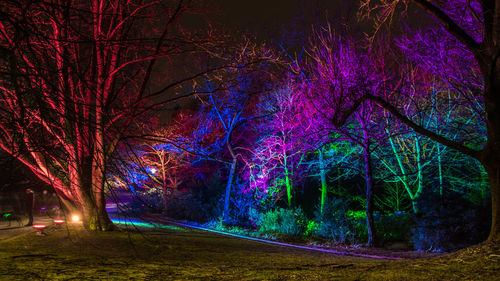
(270, 19)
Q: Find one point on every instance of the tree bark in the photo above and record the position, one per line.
(490, 155)
(227, 196)
(370, 225)
(493, 170)
(322, 174)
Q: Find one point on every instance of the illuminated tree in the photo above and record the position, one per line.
(167, 165)
(280, 149)
(335, 153)
(229, 108)
(341, 76)
(475, 25)
(75, 74)
(412, 153)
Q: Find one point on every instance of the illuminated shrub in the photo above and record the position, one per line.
(335, 224)
(242, 210)
(283, 221)
(151, 199)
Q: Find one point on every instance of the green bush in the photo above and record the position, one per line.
(335, 224)
(219, 225)
(282, 222)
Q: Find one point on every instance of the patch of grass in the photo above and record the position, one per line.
(194, 255)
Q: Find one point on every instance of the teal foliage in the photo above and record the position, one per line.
(254, 216)
(281, 221)
(335, 224)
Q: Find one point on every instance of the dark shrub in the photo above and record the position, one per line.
(449, 222)
(393, 227)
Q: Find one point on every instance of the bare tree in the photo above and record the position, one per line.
(75, 74)
(476, 26)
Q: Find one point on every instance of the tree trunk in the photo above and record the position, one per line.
(420, 173)
(322, 174)
(288, 183)
(370, 225)
(490, 155)
(493, 169)
(227, 197)
(440, 169)
(163, 183)
(95, 216)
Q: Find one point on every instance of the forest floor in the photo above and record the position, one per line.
(173, 253)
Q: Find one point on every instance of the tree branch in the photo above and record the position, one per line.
(421, 130)
(449, 25)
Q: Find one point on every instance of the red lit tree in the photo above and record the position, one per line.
(74, 75)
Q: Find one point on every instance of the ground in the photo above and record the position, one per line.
(173, 253)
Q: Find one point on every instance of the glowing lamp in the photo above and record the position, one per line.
(58, 222)
(76, 218)
(39, 228)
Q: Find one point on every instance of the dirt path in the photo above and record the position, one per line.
(16, 229)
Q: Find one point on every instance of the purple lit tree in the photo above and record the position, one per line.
(280, 147)
(475, 25)
(340, 77)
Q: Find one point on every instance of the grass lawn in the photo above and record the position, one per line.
(177, 254)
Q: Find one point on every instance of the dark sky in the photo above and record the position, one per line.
(269, 18)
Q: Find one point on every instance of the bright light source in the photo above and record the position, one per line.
(58, 222)
(153, 171)
(76, 218)
(39, 228)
